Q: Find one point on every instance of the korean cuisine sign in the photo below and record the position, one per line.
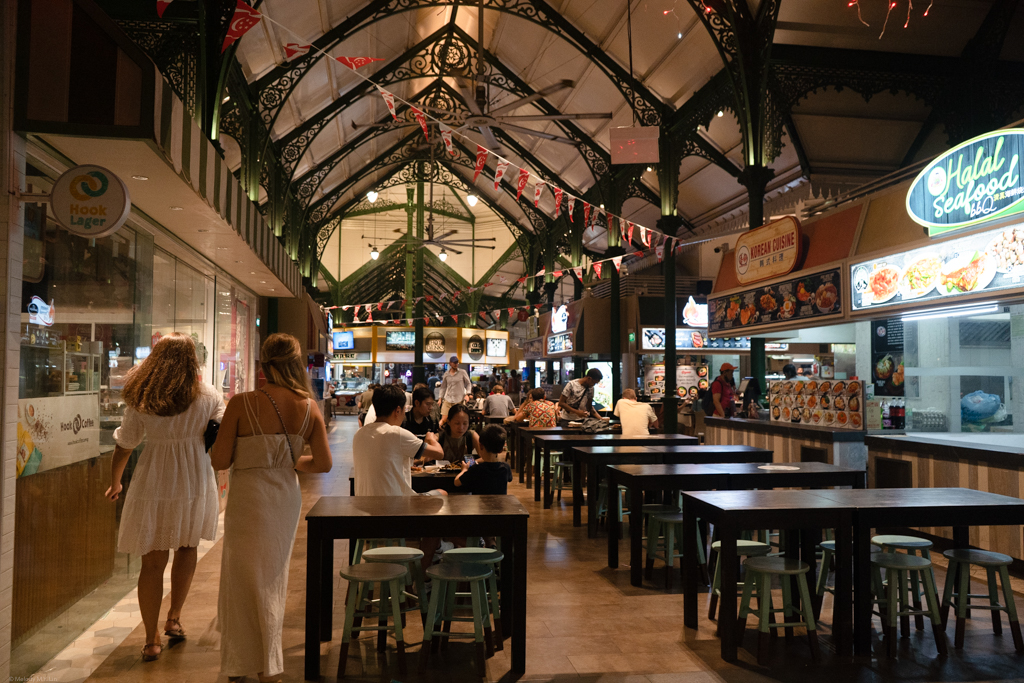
(977, 181)
(985, 262)
(769, 251)
(804, 298)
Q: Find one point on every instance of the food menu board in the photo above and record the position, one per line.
(984, 262)
(653, 339)
(826, 403)
(799, 299)
(689, 378)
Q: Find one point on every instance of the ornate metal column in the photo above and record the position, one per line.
(668, 183)
(418, 371)
(615, 249)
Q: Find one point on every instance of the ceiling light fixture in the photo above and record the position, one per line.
(176, 208)
(373, 252)
(679, 35)
(203, 230)
(649, 169)
(443, 255)
(252, 272)
(471, 199)
(140, 177)
(263, 282)
(227, 98)
(602, 206)
(372, 196)
(720, 113)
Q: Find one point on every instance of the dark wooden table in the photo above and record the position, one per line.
(543, 444)
(731, 512)
(344, 517)
(422, 482)
(595, 458)
(524, 448)
(915, 507)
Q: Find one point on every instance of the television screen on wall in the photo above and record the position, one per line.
(497, 348)
(343, 341)
(400, 340)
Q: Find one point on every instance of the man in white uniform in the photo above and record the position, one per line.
(637, 418)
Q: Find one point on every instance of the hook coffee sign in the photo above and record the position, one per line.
(90, 201)
(975, 182)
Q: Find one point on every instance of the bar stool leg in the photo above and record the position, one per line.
(396, 613)
(962, 601)
(495, 604)
(787, 605)
(1011, 609)
(346, 630)
(478, 631)
(947, 591)
(904, 596)
(741, 620)
(826, 562)
(993, 599)
(437, 592)
(670, 551)
(481, 595)
(915, 595)
(808, 612)
(892, 611)
(764, 604)
(933, 608)
(382, 620)
(449, 613)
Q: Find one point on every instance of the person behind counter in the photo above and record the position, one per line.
(789, 372)
(637, 418)
(723, 391)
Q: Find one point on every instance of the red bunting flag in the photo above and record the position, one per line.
(536, 193)
(161, 6)
(356, 314)
(558, 201)
(522, 279)
(446, 135)
(537, 305)
(389, 100)
(356, 62)
(429, 297)
(455, 318)
(524, 176)
(557, 273)
(511, 310)
(572, 205)
(243, 19)
(579, 273)
(293, 50)
(499, 173)
(660, 251)
(645, 236)
(380, 306)
(586, 215)
(597, 269)
(629, 231)
(617, 260)
(369, 316)
(481, 161)
(422, 120)
(440, 319)
(345, 308)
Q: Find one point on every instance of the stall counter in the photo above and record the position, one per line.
(791, 442)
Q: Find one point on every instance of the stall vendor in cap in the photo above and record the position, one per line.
(723, 391)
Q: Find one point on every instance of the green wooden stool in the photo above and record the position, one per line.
(899, 602)
(744, 548)
(391, 578)
(828, 551)
(993, 563)
(561, 468)
(362, 544)
(492, 559)
(602, 502)
(665, 535)
(411, 558)
(760, 571)
(912, 545)
(445, 578)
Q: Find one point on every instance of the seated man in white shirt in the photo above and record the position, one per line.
(637, 418)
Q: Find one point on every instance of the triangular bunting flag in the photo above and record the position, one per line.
(369, 316)
(524, 176)
(356, 62)
(536, 193)
(293, 50)
(617, 260)
(540, 273)
(345, 308)
(481, 161)
(511, 310)
(557, 273)
(572, 205)
(389, 100)
(500, 173)
(243, 19)
(522, 279)
(455, 318)
(446, 135)
(579, 273)
(645, 236)
(161, 6)
(429, 297)
(660, 251)
(629, 231)
(597, 269)
(422, 120)
(440, 319)
(358, 306)
(558, 201)
(380, 306)
(586, 215)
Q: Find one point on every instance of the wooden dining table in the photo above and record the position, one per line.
(524, 448)
(345, 517)
(543, 444)
(595, 459)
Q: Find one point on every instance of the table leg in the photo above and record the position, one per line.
(314, 548)
(577, 491)
(507, 576)
(689, 540)
(521, 454)
(536, 471)
(809, 540)
(861, 587)
(519, 599)
(636, 535)
(614, 530)
(729, 563)
(593, 495)
(546, 469)
(327, 587)
(961, 539)
(842, 599)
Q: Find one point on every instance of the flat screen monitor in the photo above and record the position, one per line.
(400, 340)
(497, 348)
(343, 341)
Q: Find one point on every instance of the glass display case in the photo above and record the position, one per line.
(52, 366)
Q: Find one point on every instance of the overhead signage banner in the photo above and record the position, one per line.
(560, 343)
(769, 251)
(796, 300)
(975, 182)
(986, 262)
(653, 339)
(90, 201)
(695, 314)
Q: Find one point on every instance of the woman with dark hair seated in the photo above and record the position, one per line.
(456, 438)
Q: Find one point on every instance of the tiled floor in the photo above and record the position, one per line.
(585, 623)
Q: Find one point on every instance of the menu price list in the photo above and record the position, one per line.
(802, 298)
(826, 403)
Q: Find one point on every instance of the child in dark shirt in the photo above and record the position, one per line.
(488, 476)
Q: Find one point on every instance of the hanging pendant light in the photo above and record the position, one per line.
(373, 252)
(443, 255)
(471, 199)
(372, 196)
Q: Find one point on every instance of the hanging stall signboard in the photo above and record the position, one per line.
(977, 181)
(796, 300)
(90, 201)
(769, 251)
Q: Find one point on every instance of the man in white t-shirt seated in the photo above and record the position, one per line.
(637, 418)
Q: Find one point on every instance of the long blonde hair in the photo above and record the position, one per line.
(284, 363)
(167, 382)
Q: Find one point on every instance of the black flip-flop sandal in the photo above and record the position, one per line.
(177, 632)
(146, 657)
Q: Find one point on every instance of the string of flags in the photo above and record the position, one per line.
(369, 309)
(245, 18)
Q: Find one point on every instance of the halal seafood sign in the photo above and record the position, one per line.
(975, 182)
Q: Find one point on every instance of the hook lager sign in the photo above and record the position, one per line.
(973, 183)
(90, 201)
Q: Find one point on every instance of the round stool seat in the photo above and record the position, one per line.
(981, 558)
(669, 517)
(900, 561)
(655, 508)
(473, 555)
(392, 554)
(902, 542)
(563, 463)
(776, 565)
(746, 548)
(375, 571)
(831, 546)
(458, 571)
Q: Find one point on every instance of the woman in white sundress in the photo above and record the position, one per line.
(261, 439)
(172, 500)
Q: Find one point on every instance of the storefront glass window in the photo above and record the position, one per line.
(235, 360)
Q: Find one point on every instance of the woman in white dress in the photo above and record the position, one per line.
(261, 439)
(172, 500)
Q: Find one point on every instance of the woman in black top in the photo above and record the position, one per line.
(457, 439)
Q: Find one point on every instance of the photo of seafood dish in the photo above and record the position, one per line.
(748, 315)
(883, 283)
(817, 415)
(826, 297)
(776, 413)
(812, 401)
(807, 416)
(829, 417)
(810, 386)
(788, 308)
(825, 387)
(854, 404)
(733, 310)
(768, 302)
(838, 388)
(801, 401)
(842, 419)
(785, 413)
(787, 400)
(855, 420)
(825, 401)
(967, 273)
(897, 375)
(787, 387)
(884, 367)
(839, 403)
(1007, 249)
(853, 388)
(921, 276)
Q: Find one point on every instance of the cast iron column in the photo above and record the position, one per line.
(668, 183)
(418, 373)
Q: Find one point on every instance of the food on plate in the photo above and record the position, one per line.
(655, 339)
(776, 400)
(817, 415)
(964, 278)
(810, 386)
(702, 371)
(787, 400)
(838, 388)
(801, 292)
(825, 387)
(812, 401)
(801, 401)
(788, 308)
(826, 296)
(748, 315)
(829, 417)
(785, 413)
(884, 367)
(825, 401)
(807, 414)
(733, 310)
(776, 413)
(855, 420)
(768, 302)
(702, 383)
(897, 376)
(842, 418)
(883, 283)
(697, 339)
(921, 275)
(853, 388)
(854, 404)
(1008, 250)
(839, 403)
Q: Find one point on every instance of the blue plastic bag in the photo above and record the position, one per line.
(978, 405)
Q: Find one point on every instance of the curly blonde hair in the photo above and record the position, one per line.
(167, 382)
(284, 363)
